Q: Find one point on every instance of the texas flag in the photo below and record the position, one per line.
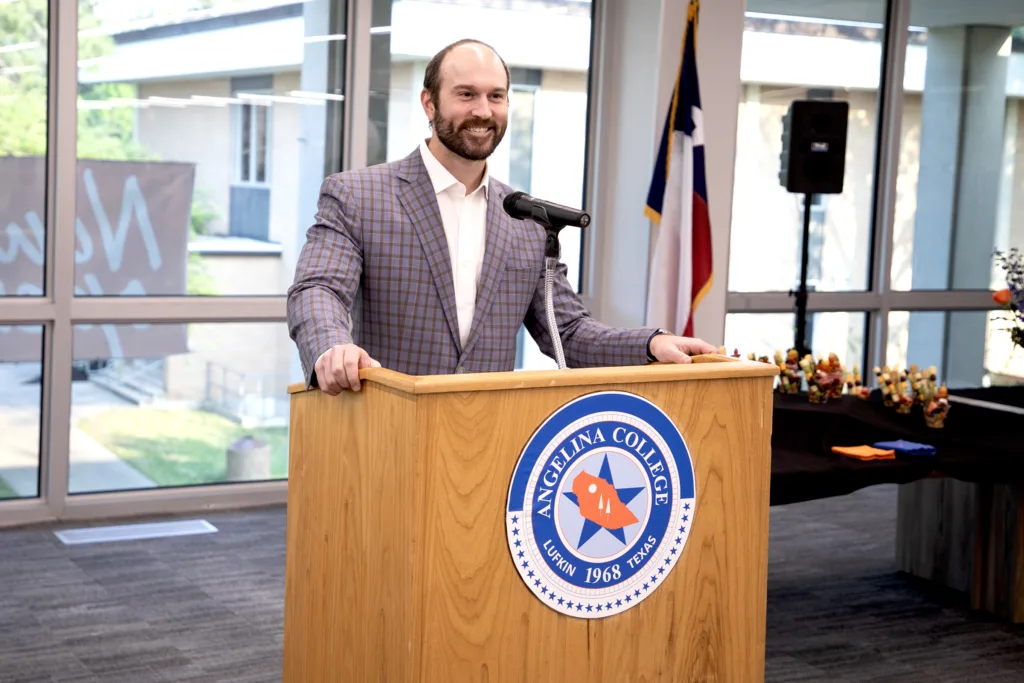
(681, 271)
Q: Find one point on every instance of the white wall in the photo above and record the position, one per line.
(616, 248)
(407, 124)
(284, 177)
(171, 134)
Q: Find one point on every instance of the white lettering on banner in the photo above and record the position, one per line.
(113, 245)
(29, 244)
(82, 241)
(16, 238)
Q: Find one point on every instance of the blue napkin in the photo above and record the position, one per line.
(906, 447)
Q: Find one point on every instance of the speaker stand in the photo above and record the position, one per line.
(800, 343)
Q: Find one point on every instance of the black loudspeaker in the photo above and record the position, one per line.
(814, 146)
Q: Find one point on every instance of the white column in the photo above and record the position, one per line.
(312, 132)
(962, 128)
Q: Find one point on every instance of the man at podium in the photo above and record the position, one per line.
(438, 275)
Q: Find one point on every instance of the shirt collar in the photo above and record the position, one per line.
(440, 177)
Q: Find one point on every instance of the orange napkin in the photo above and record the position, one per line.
(864, 452)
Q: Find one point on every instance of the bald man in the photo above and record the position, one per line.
(441, 277)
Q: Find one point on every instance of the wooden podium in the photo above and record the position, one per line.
(400, 565)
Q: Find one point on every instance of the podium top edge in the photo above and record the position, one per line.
(703, 368)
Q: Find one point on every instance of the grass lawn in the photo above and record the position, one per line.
(6, 491)
(179, 447)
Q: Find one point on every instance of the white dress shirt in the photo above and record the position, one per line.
(464, 217)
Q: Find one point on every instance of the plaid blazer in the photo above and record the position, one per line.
(375, 271)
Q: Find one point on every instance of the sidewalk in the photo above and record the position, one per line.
(92, 467)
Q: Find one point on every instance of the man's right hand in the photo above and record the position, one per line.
(338, 368)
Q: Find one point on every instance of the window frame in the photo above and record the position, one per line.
(879, 299)
(60, 311)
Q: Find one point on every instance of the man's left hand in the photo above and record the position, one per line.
(669, 348)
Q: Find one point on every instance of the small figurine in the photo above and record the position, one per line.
(819, 378)
(859, 390)
(888, 387)
(894, 390)
(937, 409)
(790, 377)
(835, 375)
(904, 403)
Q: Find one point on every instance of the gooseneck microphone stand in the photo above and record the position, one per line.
(552, 253)
(552, 217)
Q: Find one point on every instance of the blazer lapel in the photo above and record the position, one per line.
(417, 196)
(496, 246)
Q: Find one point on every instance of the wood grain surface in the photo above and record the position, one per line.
(399, 569)
(936, 531)
(966, 536)
(711, 366)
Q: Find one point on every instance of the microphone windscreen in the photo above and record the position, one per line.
(510, 204)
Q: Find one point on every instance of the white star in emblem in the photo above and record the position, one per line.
(698, 126)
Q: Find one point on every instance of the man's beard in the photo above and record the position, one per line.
(462, 142)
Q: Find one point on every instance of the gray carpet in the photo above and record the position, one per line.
(839, 611)
(209, 608)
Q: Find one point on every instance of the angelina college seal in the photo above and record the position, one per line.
(600, 504)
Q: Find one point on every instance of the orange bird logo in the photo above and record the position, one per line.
(599, 502)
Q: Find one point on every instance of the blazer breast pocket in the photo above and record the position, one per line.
(522, 277)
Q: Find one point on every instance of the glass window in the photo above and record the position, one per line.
(765, 333)
(543, 149)
(206, 404)
(251, 128)
(21, 371)
(23, 129)
(968, 348)
(960, 190)
(834, 55)
(193, 173)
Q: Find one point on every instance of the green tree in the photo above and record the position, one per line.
(105, 127)
(23, 78)
(103, 133)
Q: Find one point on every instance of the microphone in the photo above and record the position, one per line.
(553, 217)
(550, 215)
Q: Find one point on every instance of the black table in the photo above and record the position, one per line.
(960, 517)
(977, 444)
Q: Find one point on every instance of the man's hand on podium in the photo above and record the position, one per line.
(338, 368)
(669, 348)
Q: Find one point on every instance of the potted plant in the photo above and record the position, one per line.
(1011, 299)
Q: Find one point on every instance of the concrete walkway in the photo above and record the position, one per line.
(92, 467)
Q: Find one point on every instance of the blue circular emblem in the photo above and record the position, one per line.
(600, 504)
